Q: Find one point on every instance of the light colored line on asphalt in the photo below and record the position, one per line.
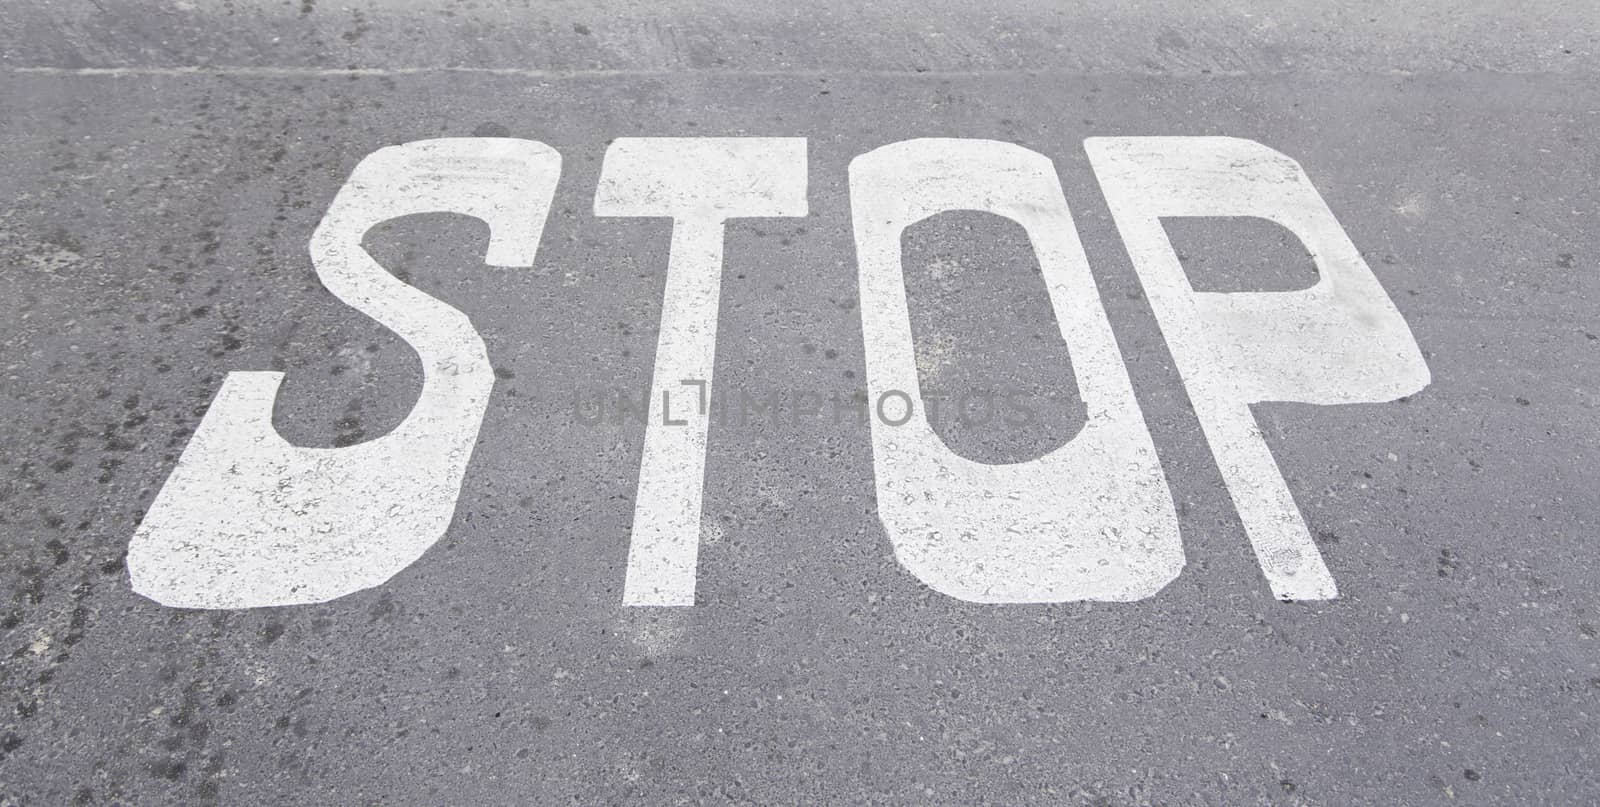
(251, 71)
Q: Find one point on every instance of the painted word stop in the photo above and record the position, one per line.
(248, 520)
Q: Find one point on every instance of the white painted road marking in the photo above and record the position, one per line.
(699, 182)
(1091, 520)
(248, 520)
(1340, 341)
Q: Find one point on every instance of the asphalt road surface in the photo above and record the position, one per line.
(165, 165)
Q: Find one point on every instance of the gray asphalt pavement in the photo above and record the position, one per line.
(165, 164)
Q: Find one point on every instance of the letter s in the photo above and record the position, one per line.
(247, 519)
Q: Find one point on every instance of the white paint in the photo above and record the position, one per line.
(248, 520)
(1091, 520)
(699, 182)
(1340, 341)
